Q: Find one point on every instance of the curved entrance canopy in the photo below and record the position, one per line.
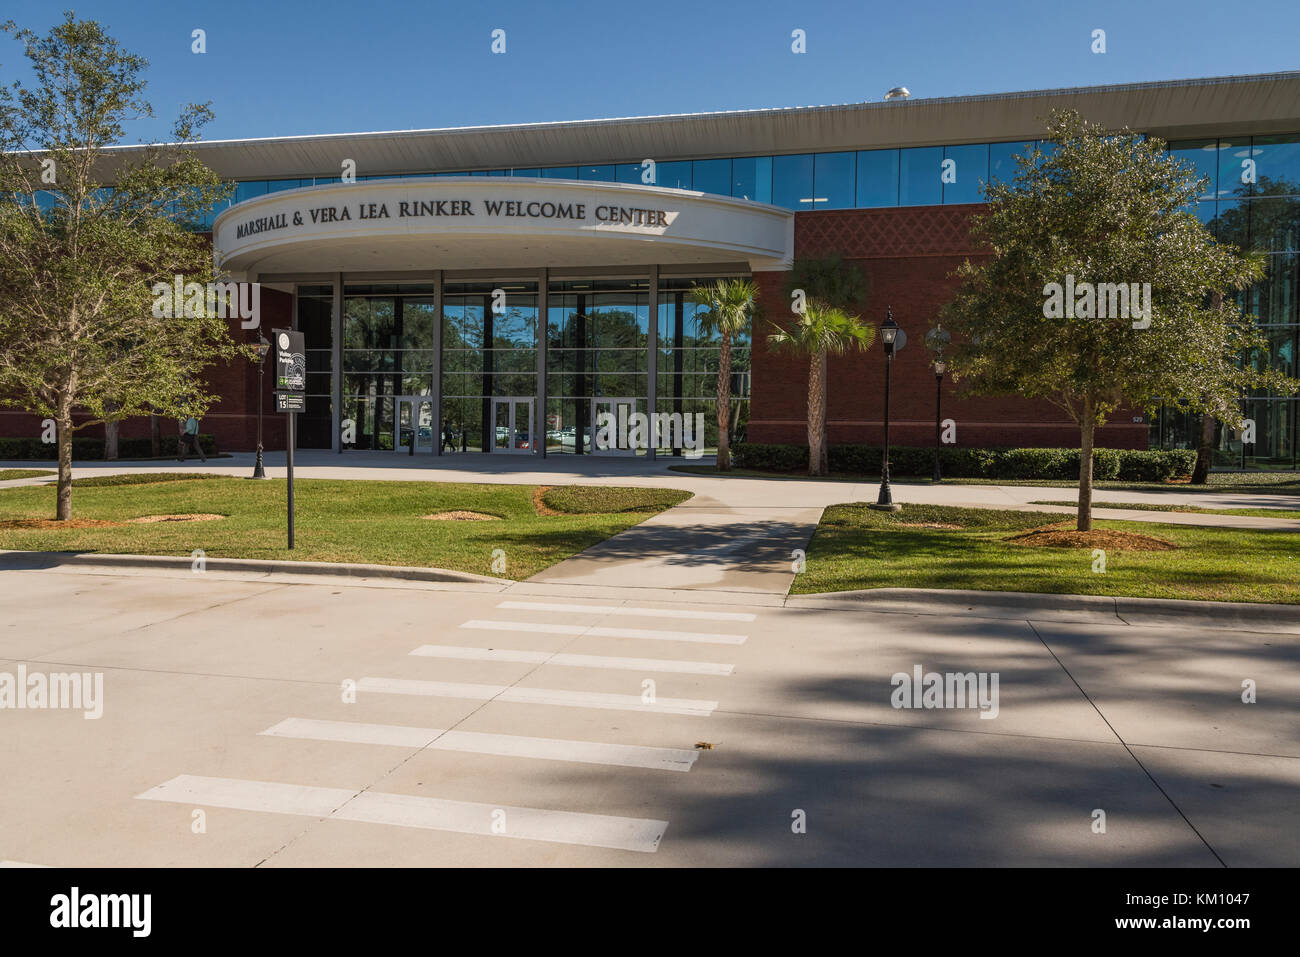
(474, 222)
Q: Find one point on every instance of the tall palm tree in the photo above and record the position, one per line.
(728, 306)
(822, 330)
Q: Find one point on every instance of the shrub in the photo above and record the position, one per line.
(88, 448)
(1107, 464)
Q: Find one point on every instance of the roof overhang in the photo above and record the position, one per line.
(479, 222)
(1178, 109)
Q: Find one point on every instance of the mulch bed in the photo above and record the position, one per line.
(190, 517)
(538, 505)
(49, 524)
(462, 516)
(1053, 536)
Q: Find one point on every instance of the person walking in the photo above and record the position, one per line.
(448, 440)
(190, 437)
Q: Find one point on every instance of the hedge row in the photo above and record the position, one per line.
(88, 448)
(1123, 464)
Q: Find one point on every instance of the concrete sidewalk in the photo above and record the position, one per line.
(222, 693)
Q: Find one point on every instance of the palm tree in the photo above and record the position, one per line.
(822, 330)
(728, 306)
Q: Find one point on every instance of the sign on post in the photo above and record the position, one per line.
(290, 389)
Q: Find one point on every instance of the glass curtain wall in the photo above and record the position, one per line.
(489, 350)
(1251, 199)
(688, 366)
(387, 352)
(316, 323)
(596, 355)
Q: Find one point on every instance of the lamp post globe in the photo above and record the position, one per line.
(888, 335)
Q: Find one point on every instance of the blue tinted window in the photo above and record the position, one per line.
(969, 166)
(751, 178)
(248, 190)
(712, 176)
(877, 178)
(629, 173)
(673, 175)
(325, 180)
(918, 180)
(451, 174)
(603, 174)
(497, 172)
(1231, 222)
(1002, 162)
(479, 172)
(1277, 165)
(278, 184)
(834, 176)
(526, 172)
(792, 181)
(560, 172)
(1232, 157)
(1203, 156)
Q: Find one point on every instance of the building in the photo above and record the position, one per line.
(514, 282)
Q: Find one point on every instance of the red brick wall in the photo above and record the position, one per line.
(908, 255)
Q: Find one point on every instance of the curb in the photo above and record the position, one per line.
(14, 560)
(1284, 618)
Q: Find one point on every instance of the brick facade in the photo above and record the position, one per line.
(908, 256)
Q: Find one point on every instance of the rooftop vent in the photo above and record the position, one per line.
(898, 93)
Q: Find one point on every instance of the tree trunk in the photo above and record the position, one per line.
(155, 437)
(1087, 426)
(817, 415)
(1204, 451)
(821, 422)
(64, 423)
(110, 441)
(724, 404)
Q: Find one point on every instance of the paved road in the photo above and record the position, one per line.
(514, 725)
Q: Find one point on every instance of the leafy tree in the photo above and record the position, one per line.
(79, 252)
(728, 307)
(822, 330)
(1104, 207)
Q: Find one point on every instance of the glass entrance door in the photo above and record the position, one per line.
(512, 424)
(611, 426)
(414, 418)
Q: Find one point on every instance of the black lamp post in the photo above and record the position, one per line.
(263, 347)
(888, 335)
(939, 366)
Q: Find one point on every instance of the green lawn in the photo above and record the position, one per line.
(337, 521)
(857, 547)
(1194, 509)
(7, 474)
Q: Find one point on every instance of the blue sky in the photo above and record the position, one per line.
(279, 67)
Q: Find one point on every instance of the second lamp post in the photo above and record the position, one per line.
(888, 335)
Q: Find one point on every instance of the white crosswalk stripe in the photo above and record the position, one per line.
(574, 661)
(404, 810)
(551, 696)
(502, 745)
(691, 614)
(600, 631)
